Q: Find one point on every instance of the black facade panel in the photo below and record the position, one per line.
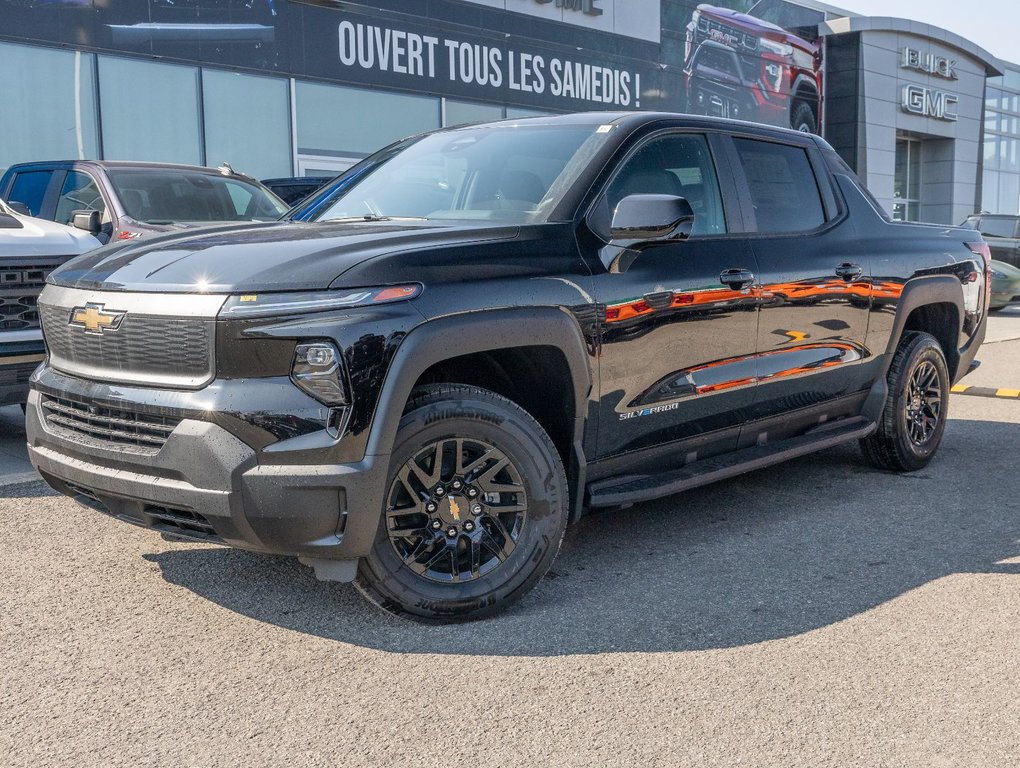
(843, 95)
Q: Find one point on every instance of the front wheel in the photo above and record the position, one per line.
(914, 417)
(803, 118)
(474, 512)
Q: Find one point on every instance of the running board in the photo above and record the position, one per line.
(636, 488)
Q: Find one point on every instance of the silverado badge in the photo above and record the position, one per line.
(96, 319)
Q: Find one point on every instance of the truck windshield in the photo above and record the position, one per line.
(168, 196)
(504, 172)
(793, 18)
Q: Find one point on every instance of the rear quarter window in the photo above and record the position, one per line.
(782, 184)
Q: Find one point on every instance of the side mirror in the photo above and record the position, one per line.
(642, 220)
(87, 220)
(17, 207)
(9, 222)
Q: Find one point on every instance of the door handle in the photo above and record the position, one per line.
(848, 271)
(738, 279)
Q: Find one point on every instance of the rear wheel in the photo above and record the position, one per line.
(474, 512)
(914, 417)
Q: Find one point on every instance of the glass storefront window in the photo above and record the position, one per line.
(1009, 193)
(57, 88)
(461, 112)
(518, 112)
(150, 111)
(340, 121)
(1012, 79)
(991, 153)
(990, 192)
(247, 123)
(907, 181)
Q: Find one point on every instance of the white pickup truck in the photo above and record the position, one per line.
(29, 249)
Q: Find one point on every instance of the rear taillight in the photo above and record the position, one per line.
(986, 254)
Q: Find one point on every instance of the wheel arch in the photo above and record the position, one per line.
(805, 89)
(495, 336)
(932, 304)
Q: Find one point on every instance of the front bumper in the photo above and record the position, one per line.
(17, 361)
(206, 482)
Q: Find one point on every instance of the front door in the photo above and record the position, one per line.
(678, 327)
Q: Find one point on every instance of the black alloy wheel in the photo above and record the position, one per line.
(456, 510)
(923, 403)
(474, 512)
(913, 419)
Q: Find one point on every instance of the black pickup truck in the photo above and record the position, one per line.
(479, 334)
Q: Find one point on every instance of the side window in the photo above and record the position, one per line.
(784, 190)
(997, 227)
(79, 193)
(30, 188)
(678, 165)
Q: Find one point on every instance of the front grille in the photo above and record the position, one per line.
(160, 340)
(20, 287)
(94, 425)
(723, 33)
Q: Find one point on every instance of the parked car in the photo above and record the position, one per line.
(485, 332)
(30, 249)
(293, 189)
(1005, 285)
(126, 200)
(1001, 232)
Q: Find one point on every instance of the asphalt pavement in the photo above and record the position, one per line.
(818, 613)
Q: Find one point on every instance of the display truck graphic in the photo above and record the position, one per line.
(764, 65)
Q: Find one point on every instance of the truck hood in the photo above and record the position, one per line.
(42, 238)
(755, 26)
(279, 256)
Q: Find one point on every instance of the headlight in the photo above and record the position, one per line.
(265, 304)
(780, 49)
(317, 370)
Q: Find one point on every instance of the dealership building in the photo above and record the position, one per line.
(928, 119)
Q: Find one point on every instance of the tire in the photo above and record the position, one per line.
(908, 435)
(802, 118)
(492, 531)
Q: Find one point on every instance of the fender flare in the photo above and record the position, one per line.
(444, 338)
(805, 82)
(918, 292)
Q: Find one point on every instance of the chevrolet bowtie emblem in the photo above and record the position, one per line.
(95, 318)
(454, 509)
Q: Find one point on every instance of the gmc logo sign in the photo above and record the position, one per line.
(928, 102)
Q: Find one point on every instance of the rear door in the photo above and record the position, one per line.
(815, 284)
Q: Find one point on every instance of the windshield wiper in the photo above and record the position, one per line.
(373, 217)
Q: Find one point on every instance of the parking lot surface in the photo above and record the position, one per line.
(818, 613)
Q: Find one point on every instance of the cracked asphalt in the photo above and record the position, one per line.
(818, 613)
